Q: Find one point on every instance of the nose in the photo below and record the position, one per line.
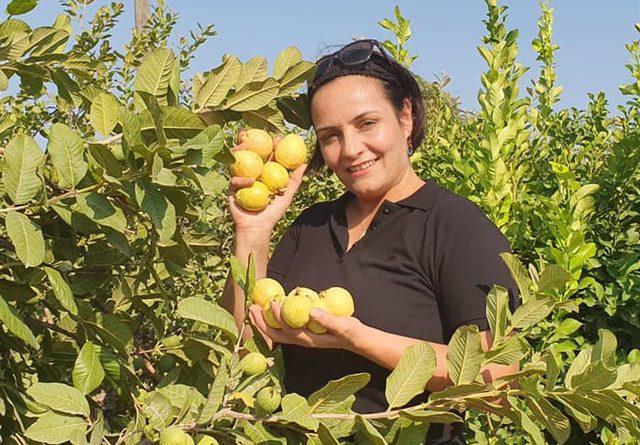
(352, 145)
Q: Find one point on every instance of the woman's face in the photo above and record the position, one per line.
(360, 135)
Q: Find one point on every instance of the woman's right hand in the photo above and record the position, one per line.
(266, 219)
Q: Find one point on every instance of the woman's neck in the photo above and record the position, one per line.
(407, 185)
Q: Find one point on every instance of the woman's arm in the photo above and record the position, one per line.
(386, 349)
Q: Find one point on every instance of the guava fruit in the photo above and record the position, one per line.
(267, 313)
(171, 341)
(248, 164)
(166, 363)
(313, 325)
(339, 301)
(295, 309)
(291, 152)
(206, 440)
(265, 290)
(253, 198)
(301, 290)
(275, 177)
(253, 363)
(268, 399)
(174, 435)
(259, 142)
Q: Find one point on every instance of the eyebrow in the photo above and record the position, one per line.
(352, 120)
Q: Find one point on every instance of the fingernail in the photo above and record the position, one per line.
(315, 312)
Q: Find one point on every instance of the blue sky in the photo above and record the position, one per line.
(591, 34)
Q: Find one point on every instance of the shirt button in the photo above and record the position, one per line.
(386, 211)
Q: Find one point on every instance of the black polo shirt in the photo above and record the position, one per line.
(422, 269)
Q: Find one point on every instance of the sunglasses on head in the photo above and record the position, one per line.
(353, 54)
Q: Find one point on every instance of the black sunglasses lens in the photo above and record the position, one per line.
(322, 66)
(356, 53)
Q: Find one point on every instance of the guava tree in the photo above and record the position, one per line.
(113, 178)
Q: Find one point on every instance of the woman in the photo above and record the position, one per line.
(417, 258)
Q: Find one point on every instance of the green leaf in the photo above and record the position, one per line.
(267, 118)
(99, 209)
(60, 397)
(410, 376)
(605, 348)
(373, 435)
(295, 76)
(583, 418)
(326, 436)
(55, 428)
(157, 206)
(4, 81)
(287, 58)
(158, 411)
(578, 366)
(595, 376)
(254, 70)
(253, 96)
(336, 391)
(104, 113)
(296, 409)
(47, 40)
(22, 159)
(498, 312)
(464, 355)
(429, 416)
(154, 74)
(18, 7)
(67, 155)
(553, 277)
(218, 83)
(532, 312)
(519, 274)
(238, 271)
(26, 237)
(526, 423)
(198, 309)
(88, 372)
(61, 290)
(554, 421)
(510, 352)
(216, 394)
(15, 325)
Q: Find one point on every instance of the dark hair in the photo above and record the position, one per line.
(398, 84)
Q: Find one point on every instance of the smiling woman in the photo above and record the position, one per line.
(418, 259)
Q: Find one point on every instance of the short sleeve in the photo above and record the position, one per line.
(284, 252)
(467, 264)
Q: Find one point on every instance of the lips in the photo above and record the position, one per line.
(362, 166)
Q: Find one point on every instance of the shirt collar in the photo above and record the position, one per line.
(423, 198)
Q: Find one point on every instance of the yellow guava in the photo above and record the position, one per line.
(259, 141)
(313, 325)
(339, 301)
(265, 290)
(253, 363)
(174, 435)
(295, 309)
(291, 152)
(309, 293)
(274, 176)
(248, 164)
(268, 399)
(253, 198)
(267, 313)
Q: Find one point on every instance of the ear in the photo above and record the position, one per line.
(406, 117)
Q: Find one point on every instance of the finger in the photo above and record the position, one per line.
(241, 131)
(295, 179)
(236, 182)
(240, 146)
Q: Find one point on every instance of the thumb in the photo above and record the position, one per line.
(326, 319)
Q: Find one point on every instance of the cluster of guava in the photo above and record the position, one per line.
(268, 399)
(295, 306)
(267, 165)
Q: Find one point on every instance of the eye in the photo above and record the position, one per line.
(368, 123)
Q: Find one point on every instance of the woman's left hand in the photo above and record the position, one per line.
(341, 331)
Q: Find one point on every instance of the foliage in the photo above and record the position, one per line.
(116, 243)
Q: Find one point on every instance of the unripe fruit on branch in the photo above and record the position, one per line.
(174, 435)
(253, 363)
(268, 399)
